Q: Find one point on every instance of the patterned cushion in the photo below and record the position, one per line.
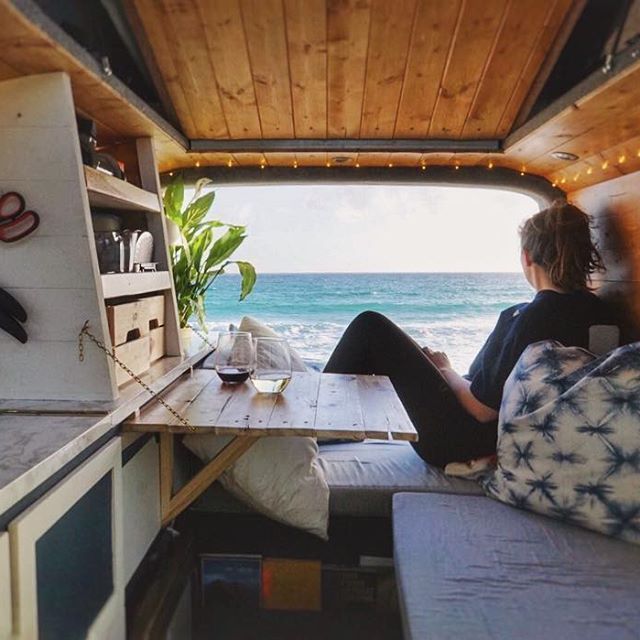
(569, 437)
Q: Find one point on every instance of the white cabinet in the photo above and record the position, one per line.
(66, 551)
(141, 504)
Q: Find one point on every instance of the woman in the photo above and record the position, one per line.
(456, 416)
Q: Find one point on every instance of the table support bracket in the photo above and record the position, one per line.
(172, 506)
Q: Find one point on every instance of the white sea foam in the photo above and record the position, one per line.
(315, 341)
(448, 312)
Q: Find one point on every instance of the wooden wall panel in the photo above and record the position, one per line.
(155, 27)
(266, 37)
(307, 37)
(474, 41)
(312, 159)
(430, 41)
(517, 38)
(616, 213)
(185, 37)
(607, 115)
(229, 58)
(562, 18)
(348, 42)
(389, 38)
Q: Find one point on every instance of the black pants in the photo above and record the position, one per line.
(447, 432)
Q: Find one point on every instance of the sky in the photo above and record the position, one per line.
(364, 228)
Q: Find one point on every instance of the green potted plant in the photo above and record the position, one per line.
(202, 249)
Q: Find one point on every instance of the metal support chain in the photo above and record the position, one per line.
(85, 332)
(201, 335)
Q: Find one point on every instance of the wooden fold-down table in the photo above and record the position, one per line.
(322, 405)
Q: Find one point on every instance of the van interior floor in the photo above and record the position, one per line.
(211, 577)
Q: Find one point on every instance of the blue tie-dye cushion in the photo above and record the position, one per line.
(569, 437)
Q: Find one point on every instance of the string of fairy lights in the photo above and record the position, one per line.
(562, 180)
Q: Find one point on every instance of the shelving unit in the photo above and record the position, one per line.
(112, 193)
(55, 271)
(117, 285)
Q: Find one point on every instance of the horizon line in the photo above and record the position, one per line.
(372, 273)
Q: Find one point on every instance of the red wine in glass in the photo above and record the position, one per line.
(232, 375)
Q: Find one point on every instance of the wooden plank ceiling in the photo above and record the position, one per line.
(455, 69)
(334, 69)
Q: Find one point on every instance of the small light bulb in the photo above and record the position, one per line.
(575, 178)
(262, 165)
(424, 167)
(553, 185)
(328, 164)
(295, 165)
(197, 163)
(605, 164)
(171, 173)
(357, 164)
(522, 173)
(563, 180)
(622, 159)
(638, 154)
(457, 167)
(490, 165)
(390, 165)
(589, 171)
(229, 164)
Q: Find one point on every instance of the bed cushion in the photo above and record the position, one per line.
(363, 476)
(470, 567)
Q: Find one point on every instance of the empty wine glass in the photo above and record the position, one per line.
(272, 365)
(233, 357)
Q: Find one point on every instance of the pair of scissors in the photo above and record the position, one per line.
(15, 222)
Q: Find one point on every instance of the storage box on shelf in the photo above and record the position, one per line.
(137, 331)
(55, 271)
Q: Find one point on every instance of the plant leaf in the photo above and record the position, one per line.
(224, 246)
(173, 199)
(196, 211)
(248, 273)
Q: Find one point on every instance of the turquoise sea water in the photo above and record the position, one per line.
(452, 312)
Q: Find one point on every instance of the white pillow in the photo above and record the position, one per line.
(260, 330)
(279, 477)
(569, 437)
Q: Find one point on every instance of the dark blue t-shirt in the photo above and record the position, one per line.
(565, 317)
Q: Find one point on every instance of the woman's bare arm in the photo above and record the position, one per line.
(461, 387)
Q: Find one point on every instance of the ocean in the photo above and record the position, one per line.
(451, 312)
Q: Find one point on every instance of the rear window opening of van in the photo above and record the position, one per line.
(441, 262)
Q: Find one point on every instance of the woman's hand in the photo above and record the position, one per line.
(439, 358)
(460, 386)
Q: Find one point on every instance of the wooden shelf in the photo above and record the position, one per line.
(116, 285)
(113, 193)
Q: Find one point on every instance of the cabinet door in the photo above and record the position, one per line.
(66, 554)
(140, 504)
(5, 587)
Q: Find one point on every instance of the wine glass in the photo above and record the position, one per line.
(271, 366)
(233, 357)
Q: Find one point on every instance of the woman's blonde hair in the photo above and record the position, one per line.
(559, 240)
